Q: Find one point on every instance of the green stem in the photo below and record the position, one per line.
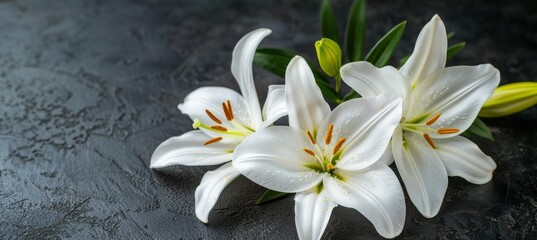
(338, 85)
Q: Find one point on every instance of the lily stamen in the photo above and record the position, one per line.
(433, 119)
(310, 136)
(219, 128)
(338, 145)
(212, 140)
(230, 109)
(226, 111)
(213, 117)
(326, 155)
(429, 140)
(328, 136)
(309, 151)
(447, 130)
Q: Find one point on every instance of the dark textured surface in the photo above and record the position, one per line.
(90, 88)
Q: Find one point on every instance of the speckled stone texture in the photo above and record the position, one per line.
(88, 89)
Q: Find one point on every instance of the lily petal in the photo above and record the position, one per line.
(212, 184)
(422, 171)
(463, 158)
(367, 125)
(241, 68)
(188, 149)
(375, 193)
(312, 212)
(370, 81)
(274, 158)
(457, 93)
(211, 98)
(387, 156)
(430, 52)
(274, 107)
(303, 98)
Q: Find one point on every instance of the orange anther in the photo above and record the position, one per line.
(310, 136)
(447, 130)
(212, 140)
(429, 140)
(213, 117)
(433, 119)
(226, 111)
(338, 145)
(230, 109)
(309, 151)
(328, 136)
(219, 128)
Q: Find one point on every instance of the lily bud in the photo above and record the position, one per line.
(510, 98)
(329, 55)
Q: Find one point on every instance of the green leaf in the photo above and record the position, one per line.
(273, 60)
(355, 33)
(450, 35)
(351, 95)
(479, 128)
(381, 53)
(403, 60)
(276, 60)
(270, 195)
(328, 22)
(454, 49)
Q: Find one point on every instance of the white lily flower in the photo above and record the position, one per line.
(224, 119)
(328, 157)
(439, 103)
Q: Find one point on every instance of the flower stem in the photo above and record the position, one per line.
(338, 84)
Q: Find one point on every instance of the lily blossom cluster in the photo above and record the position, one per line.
(439, 104)
(328, 158)
(412, 116)
(223, 119)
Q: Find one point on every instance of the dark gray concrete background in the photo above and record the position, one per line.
(88, 89)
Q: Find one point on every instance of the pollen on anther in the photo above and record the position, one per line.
(328, 136)
(310, 136)
(429, 140)
(226, 111)
(219, 128)
(213, 140)
(447, 130)
(230, 109)
(433, 119)
(330, 166)
(338, 145)
(309, 151)
(213, 117)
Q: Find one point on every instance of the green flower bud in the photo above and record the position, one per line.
(329, 55)
(510, 98)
